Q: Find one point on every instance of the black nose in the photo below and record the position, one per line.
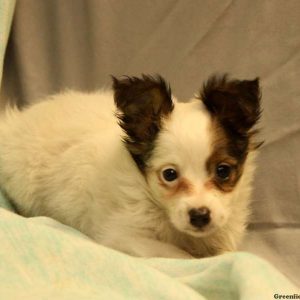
(199, 217)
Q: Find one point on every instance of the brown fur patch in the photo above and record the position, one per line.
(182, 186)
(235, 108)
(225, 151)
(209, 185)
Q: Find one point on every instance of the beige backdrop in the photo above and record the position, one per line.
(61, 44)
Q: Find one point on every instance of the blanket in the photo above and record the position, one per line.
(43, 259)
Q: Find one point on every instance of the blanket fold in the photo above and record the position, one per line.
(43, 259)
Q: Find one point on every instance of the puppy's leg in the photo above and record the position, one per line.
(146, 247)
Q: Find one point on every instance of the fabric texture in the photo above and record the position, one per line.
(6, 13)
(77, 44)
(43, 259)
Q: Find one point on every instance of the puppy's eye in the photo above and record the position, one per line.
(169, 174)
(223, 171)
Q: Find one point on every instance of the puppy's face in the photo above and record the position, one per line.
(191, 154)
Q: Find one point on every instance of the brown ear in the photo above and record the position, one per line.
(142, 103)
(235, 103)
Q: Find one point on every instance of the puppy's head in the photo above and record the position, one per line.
(192, 154)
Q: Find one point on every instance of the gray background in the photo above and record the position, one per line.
(59, 44)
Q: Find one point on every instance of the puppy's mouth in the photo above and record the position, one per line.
(200, 232)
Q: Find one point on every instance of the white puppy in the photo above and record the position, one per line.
(148, 175)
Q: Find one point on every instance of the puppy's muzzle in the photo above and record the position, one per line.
(199, 217)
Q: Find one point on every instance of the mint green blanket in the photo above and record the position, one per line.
(43, 259)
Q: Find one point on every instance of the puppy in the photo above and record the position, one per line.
(136, 170)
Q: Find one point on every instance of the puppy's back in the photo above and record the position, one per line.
(32, 141)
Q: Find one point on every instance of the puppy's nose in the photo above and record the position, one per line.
(199, 217)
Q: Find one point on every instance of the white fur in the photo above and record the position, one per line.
(64, 158)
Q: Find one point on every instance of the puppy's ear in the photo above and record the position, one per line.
(235, 103)
(142, 104)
